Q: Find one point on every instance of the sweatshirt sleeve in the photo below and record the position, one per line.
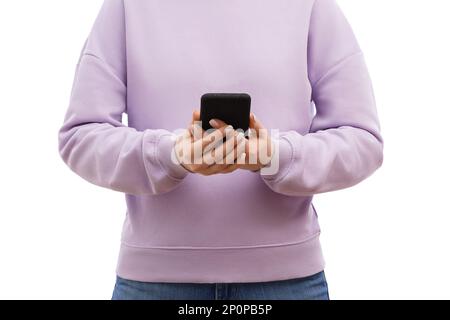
(344, 145)
(93, 142)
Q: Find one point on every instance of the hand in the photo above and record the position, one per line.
(205, 154)
(259, 147)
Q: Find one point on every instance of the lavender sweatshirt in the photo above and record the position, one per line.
(153, 59)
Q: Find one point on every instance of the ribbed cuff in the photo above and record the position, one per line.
(167, 158)
(281, 160)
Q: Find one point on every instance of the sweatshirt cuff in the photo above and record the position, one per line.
(281, 160)
(167, 158)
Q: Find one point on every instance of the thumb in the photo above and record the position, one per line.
(195, 116)
(255, 123)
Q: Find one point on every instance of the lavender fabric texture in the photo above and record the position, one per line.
(153, 60)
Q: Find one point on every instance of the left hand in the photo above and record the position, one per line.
(259, 147)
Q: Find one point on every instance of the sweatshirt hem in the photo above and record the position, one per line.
(221, 265)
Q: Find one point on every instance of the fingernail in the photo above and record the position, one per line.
(213, 123)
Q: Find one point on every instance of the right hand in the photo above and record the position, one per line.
(207, 155)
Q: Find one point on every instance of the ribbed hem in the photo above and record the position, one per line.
(255, 264)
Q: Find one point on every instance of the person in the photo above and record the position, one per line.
(221, 230)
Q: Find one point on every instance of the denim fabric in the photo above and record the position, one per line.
(309, 288)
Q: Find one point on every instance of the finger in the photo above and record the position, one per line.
(214, 169)
(252, 134)
(195, 115)
(198, 147)
(240, 154)
(186, 133)
(228, 150)
(255, 123)
(182, 146)
(216, 137)
(217, 123)
(261, 131)
(251, 148)
(195, 120)
(196, 131)
(224, 168)
(220, 130)
(240, 162)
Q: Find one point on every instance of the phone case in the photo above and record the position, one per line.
(232, 108)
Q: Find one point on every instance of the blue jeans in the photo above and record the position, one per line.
(309, 288)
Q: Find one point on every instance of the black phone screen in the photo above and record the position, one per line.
(231, 108)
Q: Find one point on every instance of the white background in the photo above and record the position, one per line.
(387, 238)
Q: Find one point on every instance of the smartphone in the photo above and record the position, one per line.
(231, 108)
